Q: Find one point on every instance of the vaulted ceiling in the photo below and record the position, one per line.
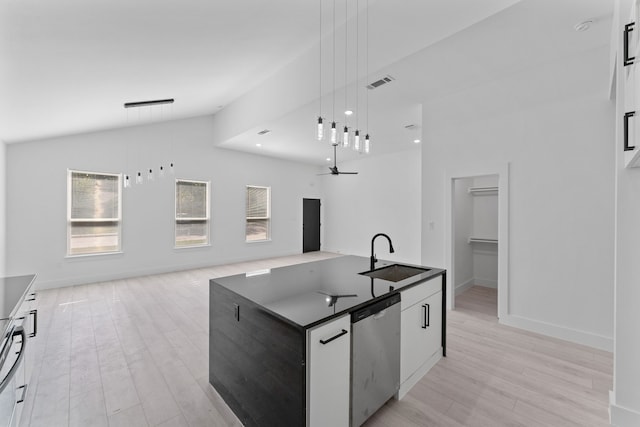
(68, 66)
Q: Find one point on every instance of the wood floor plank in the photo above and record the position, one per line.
(151, 332)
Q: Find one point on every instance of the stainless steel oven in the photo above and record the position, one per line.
(13, 387)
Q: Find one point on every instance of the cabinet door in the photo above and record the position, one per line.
(328, 368)
(421, 334)
(29, 321)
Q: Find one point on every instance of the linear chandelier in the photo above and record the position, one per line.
(139, 178)
(350, 133)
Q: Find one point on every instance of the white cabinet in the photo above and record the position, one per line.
(630, 88)
(29, 321)
(328, 373)
(421, 332)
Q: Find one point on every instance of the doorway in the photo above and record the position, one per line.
(478, 186)
(310, 225)
(475, 241)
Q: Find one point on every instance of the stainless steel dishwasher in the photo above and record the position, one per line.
(375, 357)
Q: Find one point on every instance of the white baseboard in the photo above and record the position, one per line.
(417, 375)
(464, 286)
(580, 337)
(118, 275)
(620, 416)
(487, 283)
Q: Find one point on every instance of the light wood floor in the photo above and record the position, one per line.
(495, 375)
(134, 352)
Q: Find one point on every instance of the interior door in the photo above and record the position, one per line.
(310, 225)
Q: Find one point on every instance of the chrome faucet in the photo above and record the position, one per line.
(373, 255)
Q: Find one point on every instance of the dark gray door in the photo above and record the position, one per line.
(310, 225)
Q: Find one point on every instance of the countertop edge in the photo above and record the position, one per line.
(437, 273)
(434, 272)
(14, 311)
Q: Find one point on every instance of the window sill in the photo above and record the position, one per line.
(257, 241)
(100, 254)
(178, 248)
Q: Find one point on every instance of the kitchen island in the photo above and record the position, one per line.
(268, 330)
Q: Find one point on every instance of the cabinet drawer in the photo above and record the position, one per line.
(419, 292)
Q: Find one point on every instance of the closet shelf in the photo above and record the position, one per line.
(482, 240)
(482, 190)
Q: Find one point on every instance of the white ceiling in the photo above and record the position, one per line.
(67, 66)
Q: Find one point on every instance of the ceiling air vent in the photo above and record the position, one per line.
(383, 81)
(262, 132)
(411, 126)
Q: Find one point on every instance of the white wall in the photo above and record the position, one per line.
(625, 400)
(383, 198)
(554, 124)
(37, 197)
(3, 196)
(462, 230)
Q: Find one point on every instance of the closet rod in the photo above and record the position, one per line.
(481, 240)
(482, 189)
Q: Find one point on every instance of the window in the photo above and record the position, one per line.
(93, 213)
(192, 213)
(258, 214)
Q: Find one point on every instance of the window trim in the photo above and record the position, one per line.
(268, 217)
(206, 220)
(117, 219)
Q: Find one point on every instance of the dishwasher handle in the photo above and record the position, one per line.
(380, 314)
(376, 309)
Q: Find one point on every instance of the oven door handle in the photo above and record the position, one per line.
(18, 330)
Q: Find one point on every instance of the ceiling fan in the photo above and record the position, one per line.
(334, 169)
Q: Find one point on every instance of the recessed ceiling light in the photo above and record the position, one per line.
(348, 112)
(258, 145)
(583, 26)
(416, 141)
(328, 159)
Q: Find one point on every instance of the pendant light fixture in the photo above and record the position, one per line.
(348, 140)
(367, 141)
(320, 131)
(356, 136)
(139, 178)
(347, 113)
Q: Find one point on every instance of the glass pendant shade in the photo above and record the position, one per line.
(320, 129)
(161, 173)
(334, 133)
(139, 179)
(367, 144)
(127, 182)
(150, 175)
(172, 169)
(356, 141)
(345, 137)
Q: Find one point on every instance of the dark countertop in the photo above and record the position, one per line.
(13, 290)
(301, 294)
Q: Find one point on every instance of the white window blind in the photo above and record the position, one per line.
(192, 213)
(258, 213)
(93, 213)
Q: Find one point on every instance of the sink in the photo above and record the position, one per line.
(395, 272)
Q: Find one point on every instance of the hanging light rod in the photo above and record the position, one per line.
(147, 103)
